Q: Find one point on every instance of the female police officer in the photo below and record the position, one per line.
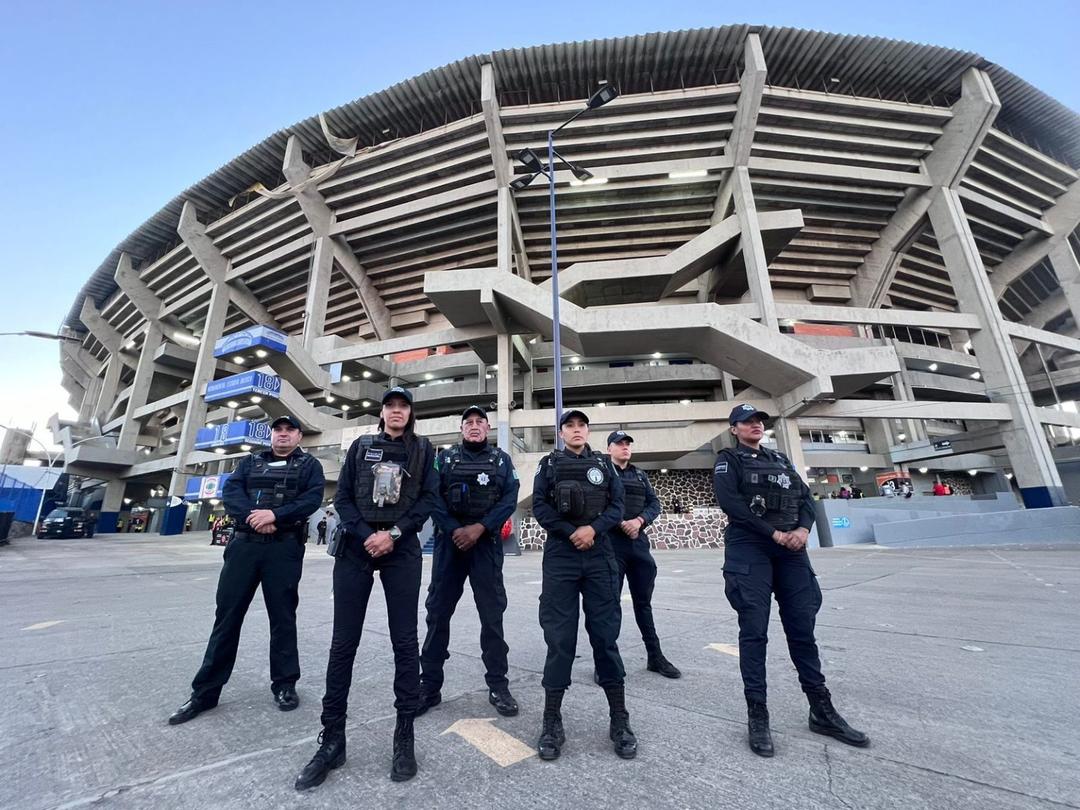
(578, 498)
(770, 513)
(386, 491)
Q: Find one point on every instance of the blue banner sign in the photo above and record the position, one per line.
(205, 487)
(244, 431)
(255, 337)
(249, 382)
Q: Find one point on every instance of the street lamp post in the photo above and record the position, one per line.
(531, 161)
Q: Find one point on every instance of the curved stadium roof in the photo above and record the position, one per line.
(871, 67)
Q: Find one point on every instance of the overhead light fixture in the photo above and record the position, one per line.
(684, 402)
(863, 469)
(256, 399)
(219, 450)
(329, 398)
(214, 501)
(261, 353)
(429, 376)
(239, 359)
(663, 470)
(232, 403)
(602, 96)
(346, 378)
(1009, 475)
(601, 404)
(656, 355)
(366, 403)
(346, 406)
(973, 472)
(932, 367)
(209, 424)
(127, 500)
(366, 374)
(901, 436)
(975, 375)
(531, 161)
(172, 440)
(688, 173)
(575, 359)
(924, 470)
(522, 182)
(245, 447)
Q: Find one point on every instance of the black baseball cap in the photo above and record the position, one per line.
(740, 413)
(618, 436)
(287, 420)
(473, 409)
(397, 391)
(568, 415)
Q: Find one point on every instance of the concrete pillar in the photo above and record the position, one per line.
(205, 366)
(1067, 269)
(88, 408)
(790, 443)
(533, 437)
(111, 506)
(753, 249)
(140, 388)
(109, 387)
(504, 389)
(1025, 440)
(318, 291)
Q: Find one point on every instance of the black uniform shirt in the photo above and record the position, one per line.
(507, 482)
(548, 516)
(309, 489)
(727, 487)
(651, 511)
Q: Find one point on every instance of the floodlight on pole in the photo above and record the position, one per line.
(531, 161)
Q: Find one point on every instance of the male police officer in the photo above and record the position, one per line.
(479, 488)
(770, 513)
(578, 498)
(386, 491)
(636, 564)
(270, 496)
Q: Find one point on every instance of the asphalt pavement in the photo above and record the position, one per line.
(961, 664)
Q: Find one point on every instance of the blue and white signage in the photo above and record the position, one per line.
(249, 382)
(244, 431)
(205, 487)
(255, 337)
(842, 522)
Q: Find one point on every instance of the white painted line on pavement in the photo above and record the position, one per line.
(727, 649)
(44, 625)
(494, 743)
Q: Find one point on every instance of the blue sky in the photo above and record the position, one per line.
(108, 110)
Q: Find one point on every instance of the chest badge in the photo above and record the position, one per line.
(595, 476)
(483, 479)
(373, 454)
(782, 480)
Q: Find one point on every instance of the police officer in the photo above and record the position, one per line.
(770, 513)
(270, 496)
(578, 498)
(386, 491)
(479, 488)
(636, 564)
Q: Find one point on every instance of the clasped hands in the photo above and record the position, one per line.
(632, 528)
(465, 537)
(794, 540)
(262, 521)
(583, 537)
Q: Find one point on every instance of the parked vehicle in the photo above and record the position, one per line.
(67, 521)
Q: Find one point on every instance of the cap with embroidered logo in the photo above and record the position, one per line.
(740, 413)
(618, 436)
(397, 391)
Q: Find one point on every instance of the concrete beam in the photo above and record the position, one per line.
(318, 290)
(376, 310)
(104, 332)
(1025, 442)
(971, 120)
(148, 304)
(747, 108)
(1063, 218)
(753, 248)
(140, 388)
(1067, 269)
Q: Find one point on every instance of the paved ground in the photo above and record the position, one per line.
(961, 664)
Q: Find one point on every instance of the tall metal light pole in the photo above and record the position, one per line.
(531, 161)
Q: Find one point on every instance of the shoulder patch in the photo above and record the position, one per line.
(721, 467)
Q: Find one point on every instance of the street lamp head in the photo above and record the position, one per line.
(602, 96)
(521, 182)
(530, 160)
(580, 173)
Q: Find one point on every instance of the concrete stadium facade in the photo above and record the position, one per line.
(873, 240)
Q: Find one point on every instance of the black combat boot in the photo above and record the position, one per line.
(825, 719)
(620, 732)
(552, 736)
(404, 767)
(331, 754)
(658, 663)
(427, 701)
(757, 722)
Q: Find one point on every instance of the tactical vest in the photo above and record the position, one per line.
(763, 485)
(634, 484)
(471, 487)
(375, 449)
(270, 485)
(579, 486)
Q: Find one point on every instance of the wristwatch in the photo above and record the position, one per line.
(395, 533)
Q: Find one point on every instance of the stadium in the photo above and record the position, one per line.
(872, 240)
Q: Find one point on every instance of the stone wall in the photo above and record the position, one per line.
(693, 488)
(703, 528)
